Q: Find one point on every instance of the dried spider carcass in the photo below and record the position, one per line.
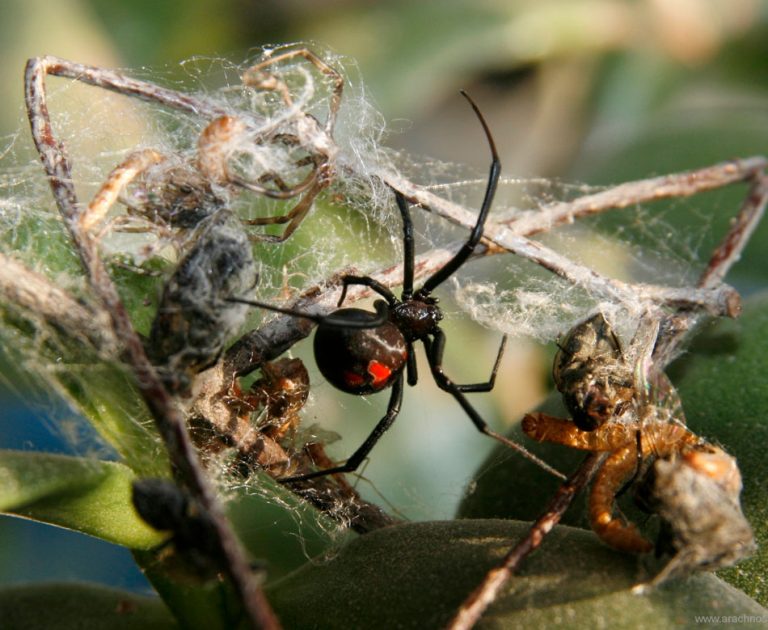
(690, 484)
(259, 429)
(642, 428)
(169, 192)
(283, 153)
(257, 425)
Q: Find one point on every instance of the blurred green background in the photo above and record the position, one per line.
(588, 91)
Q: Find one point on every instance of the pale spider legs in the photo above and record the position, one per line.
(322, 174)
(211, 163)
(320, 146)
(120, 177)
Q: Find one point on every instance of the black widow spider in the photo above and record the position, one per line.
(360, 352)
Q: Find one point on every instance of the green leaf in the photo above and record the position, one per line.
(280, 532)
(107, 396)
(69, 606)
(416, 575)
(46, 359)
(196, 604)
(722, 385)
(85, 495)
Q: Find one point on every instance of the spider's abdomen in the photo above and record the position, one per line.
(360, 360)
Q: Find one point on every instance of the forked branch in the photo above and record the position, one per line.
(169, 421)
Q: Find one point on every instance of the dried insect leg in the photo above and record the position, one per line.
(303, 128)
(545, 428)
(618, 437)
(615, 532)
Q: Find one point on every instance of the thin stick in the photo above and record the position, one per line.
(726, 254)
(683, 184)
(487, 592)
(548, 216)
(742, 227)
(169, 421)
(34, 293)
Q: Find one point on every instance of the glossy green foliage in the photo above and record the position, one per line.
(69, 606)
(87, 495)
(417, 575)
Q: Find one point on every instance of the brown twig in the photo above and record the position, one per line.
(169, 421)
(32, 292)
(487, 592)
(549, 216)
(678, 325)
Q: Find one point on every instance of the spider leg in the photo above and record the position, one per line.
(365, 281)
(293, 218)
(435, 349)
(321, 174)
(256, 77)
(447, 385)
(214, 149)
(122, 175)
(283, 192)
(382, 314)
(477, 232)
(357, 458)
(408, 248)
(413, 372)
